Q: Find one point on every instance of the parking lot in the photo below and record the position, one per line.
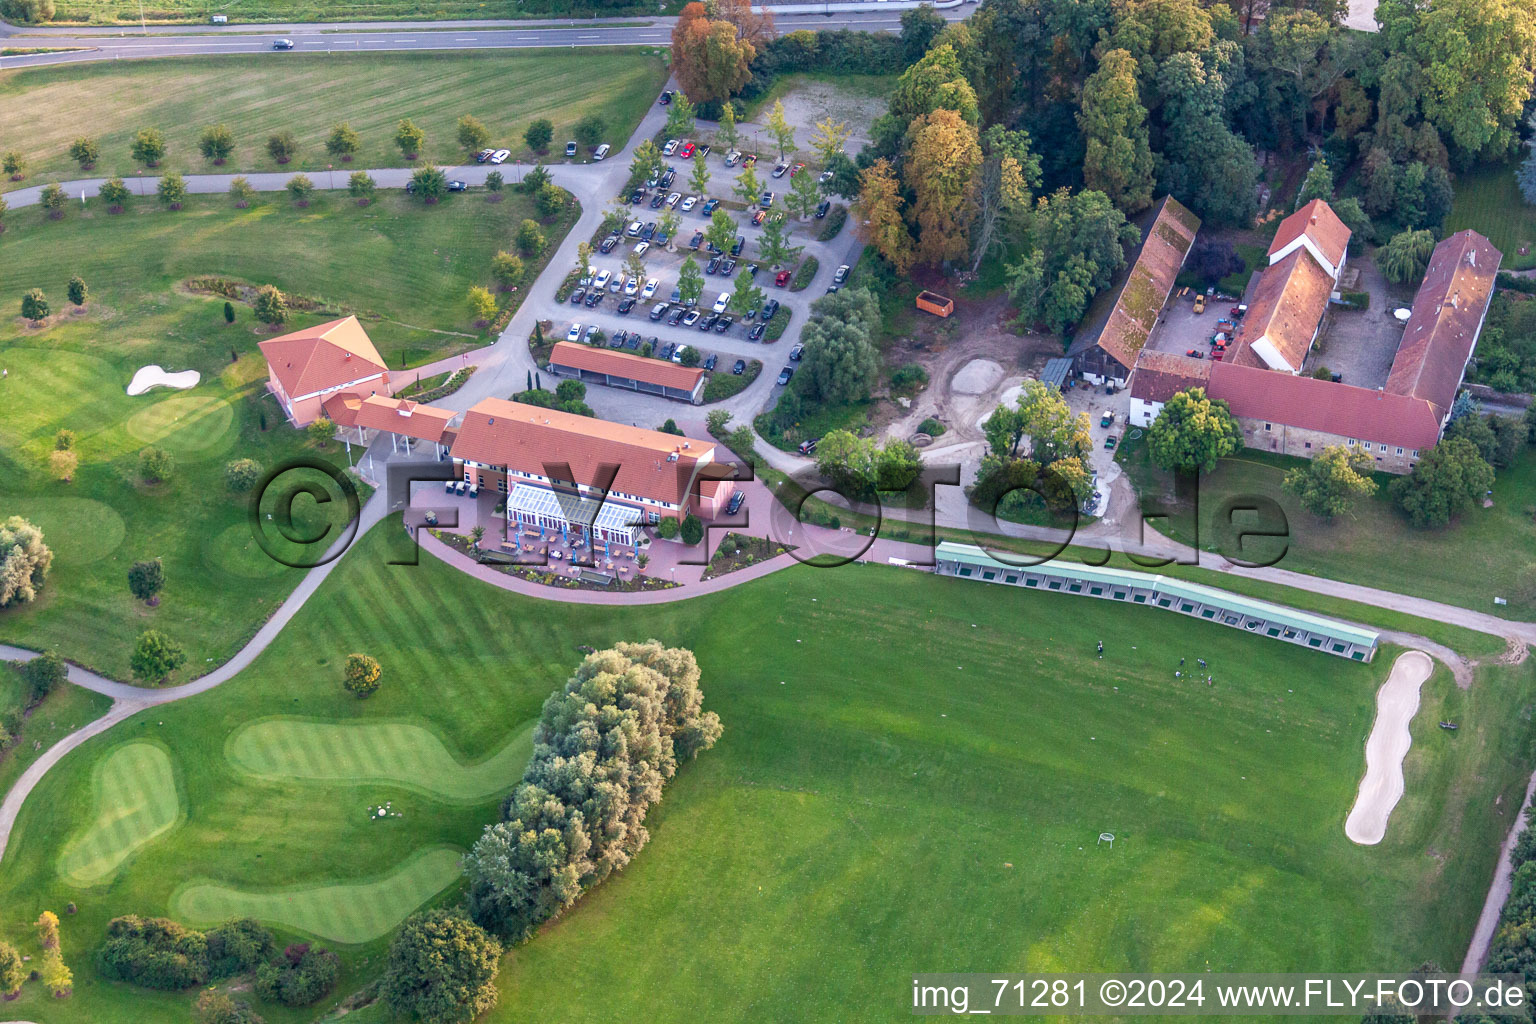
(1184, 332)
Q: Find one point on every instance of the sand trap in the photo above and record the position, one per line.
(1396, 703)
(153, 376)
(976, 377)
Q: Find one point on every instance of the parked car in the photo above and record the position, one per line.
(823, 177)
(698, 240)
(739, 367)
(282, 44)
(769, 308)
(691, 318)
(704, 148)
(740, 244)
(633, 231)
(650, 288)
(688, 203)
(634, 341)
(601, 280)
(1107, 419)
(807, 447)
(484, 155)
(637, 197)
(669, 148)
(666, 97)
(577, 296)
(617, 341)
(796, 353)
(796, 169)
(570, 149)
(642, 248)
(724, 324)
(574, 334)
(665, 352)
(714, 358)
(625, 306)
(500, 156)
(731, 157)
(728, 267)
(674, 198)
(841, 275)
(649, 231)
(662, 237)
(677, 353)
(608, 244)
(821, 210)
(779, 170)
(708, 322)
(616, 284)
(712, 266)
(766, 200)
(657, 200)
(667, 178)
(457, 186)
(660, 310)
(785, 374)
(593, 298)
(687, 151)
(601, 151)
(1110, 442)
(749, 160)
(709, 207)
(756, 333)
(677, 316)
(588, 334)
(757, 218)
(781, 279)
(721, 301)
(734, 505)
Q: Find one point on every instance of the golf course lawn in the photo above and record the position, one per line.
(912, 777)
(307, 94)
(135, 801)
(1475, 559)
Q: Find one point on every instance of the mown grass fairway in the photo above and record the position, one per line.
(135, 802)
(389, 752)
(1488, 201)
(350, 912)
(258, 96)
(912, 777)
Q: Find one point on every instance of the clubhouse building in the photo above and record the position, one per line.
(309, 367)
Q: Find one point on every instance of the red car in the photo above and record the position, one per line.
(783, 279)
(796, 169)
(687, 151)
(758, 217)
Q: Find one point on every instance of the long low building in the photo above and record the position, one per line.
(627, 370)
(1248, 614)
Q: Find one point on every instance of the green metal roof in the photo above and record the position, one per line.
(972, 555)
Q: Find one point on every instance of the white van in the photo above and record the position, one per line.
(601, 151)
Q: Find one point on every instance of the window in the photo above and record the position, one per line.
(988, 575)
(1338, 648)
(1316, 641)
(1309, 444)
(1268, 427)
(1141, 598)
(1399, 451)
(1367, 446)
(965, 570)
(1209, 613)
(1076, 588)
(1095, 591)
(1186, 608)
(1055, 584)
(1414, 453)
(1030, 581)
(1273, 631)
(1351, 442)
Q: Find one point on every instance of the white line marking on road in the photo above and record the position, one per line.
(404, 40)
(464, 39)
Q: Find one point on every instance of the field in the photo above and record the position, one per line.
(404, 266)
(912, 776)
(1488, 200)
(198, 11)
(307, 95)
(1468, 564)
(135, 802)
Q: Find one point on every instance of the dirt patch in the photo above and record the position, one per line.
(808, 100)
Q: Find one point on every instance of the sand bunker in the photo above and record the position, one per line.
(1396, 703)
(153, 376)
(976, 377)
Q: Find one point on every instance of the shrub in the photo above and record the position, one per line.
(146, 579)
(241, 474)
(832, 225)
(931, 427)
(25, 564)
(300, 977)
(692, 531)
(805, 273)
(237, 946)
(34, 305)
(153, 952)
(77, 291)
(282, 146)
(43, 673)
(361, 675)
(271, 305)
(156, 656)
(156, 465)
(12, 971)
(63, 464)
(441, 969)
(909, 379)
(215, 1007)
(667, 528)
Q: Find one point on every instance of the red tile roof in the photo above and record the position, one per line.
(322, 357)
(1317, 221)
(1447, 314)
(1287, 306)
(341, 408)
(1277, 397)
(405, 417)
(529, 439)
(661, 372)
(1160, 375)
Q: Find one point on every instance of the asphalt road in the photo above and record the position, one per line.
(380, 37)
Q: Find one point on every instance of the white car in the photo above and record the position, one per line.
(731, 157)
(721, 302)
(689, 203)
(632, 286)
(616, 284)
(500, 156)
(634, 229)
(674, 198)
(691, 318)
(650, 288)
(601, 280)
(824, 177)
(779, 170)
(574, 334)
(670, 147)
(677, 353)
(642, 248)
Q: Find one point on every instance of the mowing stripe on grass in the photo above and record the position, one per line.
(347, 912)
(135, 801)
(386, 752)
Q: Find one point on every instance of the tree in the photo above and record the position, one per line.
(148, 147)
(12, 971)
(361, 186)
(242, 191)
(53, 199)
(748, 187)
(114, 193)
(721, 232)
(634, 265)
(667, 226)
(699, 179)
(63, 465)
(847, 460)
(682, 116)
(942, 158)
(1118, 157)
(146, 579)
(828, 140)
(1212, 259)
(783, 133)
(919, 27)
(84, 152)
(709, 58)
(216, 143)
(583, 261)
(240, 475)
(361, 675)
(64, 440)
(271, 305)
(589, 131)
(441, 969)
(725, 130)
(690, 280)
(34, 306)
(744, 294)
(804, 195)
(43, 674)
(539, 134)
(1078, 241)
(301, 188)
(409, 138)
(535, 180)
(1445, 482)
(1042, 415)
(320, 432)
(841, 362)
(13, 163)
(507, 269)
(155, 657)
(1526, 176)
(1405, 258)
(430, 183)
(1331, 483)
(646, 165)
(691, 531)
(773, 246)
(47, 925)
(281, 146)
(156, 466)
(1209, 168)
(936, 82)
(549, 200)
(493, 184)
(55, 973)
(482, 304)
(343, 142)
(25, 561)
(530, 239)
(1318, 184)
(1192, 432)
(172, 189)
(473, 135)
(77, 291)
(1004, 186)
(877, 214)
(229, 312)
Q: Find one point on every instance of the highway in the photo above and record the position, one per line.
(126, 43)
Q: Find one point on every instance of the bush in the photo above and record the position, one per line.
(238, 946)
(12, 971)
(1356, 300)
(155, 657)
(909, 379)
(692, 531)
(26, 561)
(667, 528)
(803, 276)
(931, 427)
(43, 674)
(153, 952)
(832, 224)
(361, 675)
(146, 579)
(241, 474)
(441, 969)
(300, 977)
(156, 465)
(215, 1007)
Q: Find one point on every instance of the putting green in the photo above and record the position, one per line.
(79, 530)
(386, 752)
(234, 549)
(349, 912)
(192, 426)
(136, 801)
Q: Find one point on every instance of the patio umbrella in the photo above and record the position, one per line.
(606, 555)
